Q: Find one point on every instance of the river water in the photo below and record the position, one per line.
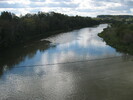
(76, 65)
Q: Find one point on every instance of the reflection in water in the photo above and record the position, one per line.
(14, 56)
(83, 44)
(105, 79)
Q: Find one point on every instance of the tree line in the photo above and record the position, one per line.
(15, 30)
(115, 19)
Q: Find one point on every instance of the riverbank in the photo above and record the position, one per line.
(16, 30)
(56, 47)
(119, 37)
(35, 38)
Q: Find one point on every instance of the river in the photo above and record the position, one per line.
(76, 65)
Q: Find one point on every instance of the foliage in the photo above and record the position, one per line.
(14, 30)
(119, 36)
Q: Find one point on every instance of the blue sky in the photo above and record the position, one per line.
(70, 7)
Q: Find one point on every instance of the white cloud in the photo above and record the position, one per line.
(70, 7)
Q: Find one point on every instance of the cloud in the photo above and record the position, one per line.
(37, 0)
(53, 5)
(70, 7)
(13, 5)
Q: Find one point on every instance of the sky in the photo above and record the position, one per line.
(90, 8)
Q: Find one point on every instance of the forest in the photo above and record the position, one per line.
(15, 30)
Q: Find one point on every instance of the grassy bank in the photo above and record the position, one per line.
(119, 36)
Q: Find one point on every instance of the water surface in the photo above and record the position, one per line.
(76, 65)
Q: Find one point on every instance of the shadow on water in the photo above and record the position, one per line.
(101, 80)
(13, 56)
